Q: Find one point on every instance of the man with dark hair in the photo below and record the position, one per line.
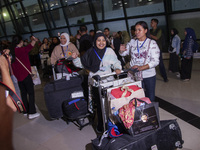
(92, 34)
(109, 38)
(85, 40)
(157, 35)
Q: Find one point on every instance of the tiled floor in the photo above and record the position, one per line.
(178, 100)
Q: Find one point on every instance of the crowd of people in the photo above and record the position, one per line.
(99, 52)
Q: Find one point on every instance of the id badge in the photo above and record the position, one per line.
(102, 69)
(140, 60)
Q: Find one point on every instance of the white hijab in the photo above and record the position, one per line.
(67, 37)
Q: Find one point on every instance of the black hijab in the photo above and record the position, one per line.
(90, 59)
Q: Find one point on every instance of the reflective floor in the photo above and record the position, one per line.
(177, 99)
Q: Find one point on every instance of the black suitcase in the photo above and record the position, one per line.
(58, 91)
(167, 138)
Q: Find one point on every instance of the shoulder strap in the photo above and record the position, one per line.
(23, 65)
(15, 98)
(63, 51)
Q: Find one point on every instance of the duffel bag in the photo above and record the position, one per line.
(74, 108)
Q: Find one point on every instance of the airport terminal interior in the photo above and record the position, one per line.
(177, 99)
(46, 18)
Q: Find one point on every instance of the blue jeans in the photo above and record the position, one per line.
(149, 86)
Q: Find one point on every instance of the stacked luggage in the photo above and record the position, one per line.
(65, 99)
(119, 94)
(131, 121)
(168, 137)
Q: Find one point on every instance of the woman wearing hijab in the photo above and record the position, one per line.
(186, 62)
(174, 50)
(99, 60)
(64, 50)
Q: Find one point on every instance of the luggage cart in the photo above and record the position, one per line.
(105, 83)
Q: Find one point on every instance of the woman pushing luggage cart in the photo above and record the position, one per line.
(99, 60)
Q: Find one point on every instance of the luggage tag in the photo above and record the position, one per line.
(67, 77)
(77, 94)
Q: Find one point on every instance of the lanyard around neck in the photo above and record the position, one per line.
(98, 55)
(65, 51)
(138, 48)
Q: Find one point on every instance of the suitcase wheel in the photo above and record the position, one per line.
(172, 126)
(178, 144)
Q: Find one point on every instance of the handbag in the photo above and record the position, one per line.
(34, 73)
(35, 77)
(138, 74)
(65, 65)
(140, 116)
(171, 48)
(116, 103)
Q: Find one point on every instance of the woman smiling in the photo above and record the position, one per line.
(64, 50)
(144, 57)
(99, 60)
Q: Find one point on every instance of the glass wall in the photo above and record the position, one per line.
(78, 13)
(1, 32)
(98, 9)
(10, 28)
(142, 7)
(113, 9)
(182, 21)
(58, 17)
(6, 15)
(114, 26)
(185, 4)
(31, 7)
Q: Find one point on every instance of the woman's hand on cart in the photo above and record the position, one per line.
(74, 55)
(117, 71)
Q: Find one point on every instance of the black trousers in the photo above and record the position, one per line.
(174, 62)
(96, 98)
(186, 68)
(27, 89)
(162, 67)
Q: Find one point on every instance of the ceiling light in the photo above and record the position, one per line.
(4, 14)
